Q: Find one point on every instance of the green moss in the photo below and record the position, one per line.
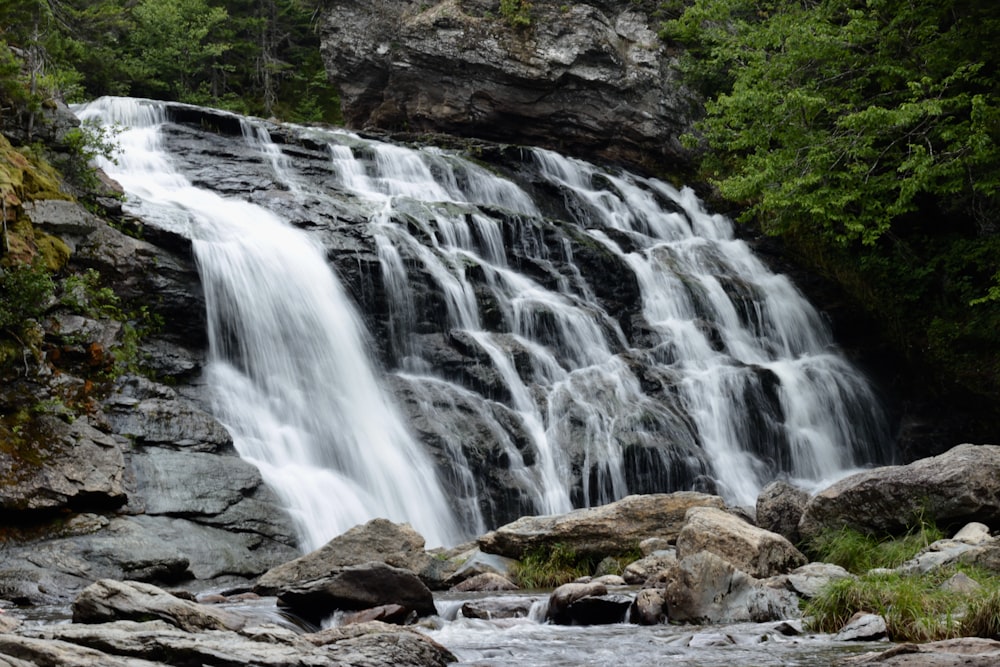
(52, 250)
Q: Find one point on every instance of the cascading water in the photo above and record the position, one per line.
(288, 367)
(600, 336)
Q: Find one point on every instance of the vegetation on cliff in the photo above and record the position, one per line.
(866, 134)
(259, 57)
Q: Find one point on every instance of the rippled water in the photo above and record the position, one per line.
(525, 642)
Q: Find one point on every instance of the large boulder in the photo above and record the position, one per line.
(586, 77)
(357, 587)
(705, 588)
(758, 552)
(951, 489)
(603, 530)
(379, 540)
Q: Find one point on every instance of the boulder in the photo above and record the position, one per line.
(705, 588)
(356, 587)
(758, 552)
(863, 627)
(638, 572)
(379, 540)
(586, 604)
(649, 607)
(589, 77)
(779, 508)
(603, 530)
(109, 600)
(951, 489)
(809, 579)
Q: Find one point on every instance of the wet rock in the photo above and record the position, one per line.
(493, 608)
(387, 613)
(756, 551)
(599, 530)
(863, 627)
(356, 587)
(954, 488)
(779, 508)
(649, 607)
(565, 596)
(109, 600)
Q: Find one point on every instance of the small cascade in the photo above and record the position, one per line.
(548, 334)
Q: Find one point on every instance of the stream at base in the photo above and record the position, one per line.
(527, 642)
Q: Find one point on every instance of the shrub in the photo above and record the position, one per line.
(25, 291)
(548, 567)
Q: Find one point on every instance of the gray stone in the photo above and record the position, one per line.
(356, 587)
(863, 627)
(811, 578)
(599, 530)
(705, 588)
(952, 489)
(109, 600)
(649, 607)
(493, 608)
(779, 508)
(379, 540)
(756, 551)
(68, 465)
(638, 572)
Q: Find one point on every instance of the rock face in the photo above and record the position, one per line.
(601, 530)
(779, 509)
(951, 489)
(590, 78)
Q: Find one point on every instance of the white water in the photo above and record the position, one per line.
(736, 378)
(289, 369)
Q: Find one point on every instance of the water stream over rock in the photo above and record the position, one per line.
(406, 332)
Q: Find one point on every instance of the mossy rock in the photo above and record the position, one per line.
(52, 249)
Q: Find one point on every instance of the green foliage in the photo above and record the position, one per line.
(547, 567)
(866, 133)
(25, 291)
(982, 618)
(83, 144)
(516, 13)
(859, 552)
(83, 293)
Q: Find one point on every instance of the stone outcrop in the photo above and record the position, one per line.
(608, 529)
(590, 78)
(779, 509)
(951, 489)
(758, 552)
(963, 652)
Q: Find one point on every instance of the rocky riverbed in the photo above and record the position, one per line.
(710, 587)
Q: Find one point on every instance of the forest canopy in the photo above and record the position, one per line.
(865, 134)
(259, 57)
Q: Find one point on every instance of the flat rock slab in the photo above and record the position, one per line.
(603, 530)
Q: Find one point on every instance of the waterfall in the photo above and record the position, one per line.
(289, 370)
(548, 334)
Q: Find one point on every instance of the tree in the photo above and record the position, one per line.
(866, 133)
